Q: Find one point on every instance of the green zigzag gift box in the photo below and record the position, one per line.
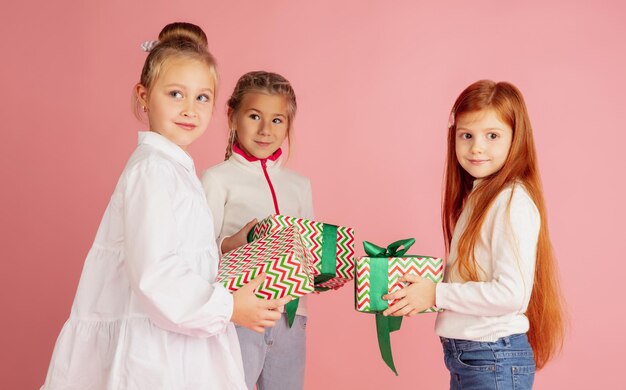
(281, 255)
(378, 274)
(331, 247)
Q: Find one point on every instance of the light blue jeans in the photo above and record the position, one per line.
(274, 360)
(504, 364)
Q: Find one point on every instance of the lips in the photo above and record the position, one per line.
(477, 162)
(263, 144)
(186, 126)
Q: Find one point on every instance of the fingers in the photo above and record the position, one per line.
(248, 226)
(395, 295)
(262, 325)
(254, 283)
(403, 312)
(270, 315)
(276, 303)
(266, 319)
(391, 310)
(268, 323)
(411, 278)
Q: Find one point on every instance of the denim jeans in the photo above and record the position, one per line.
(274, 360)
(506, 363)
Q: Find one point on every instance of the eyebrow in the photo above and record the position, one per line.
(183, 87)
(260, 112)
(487, 129)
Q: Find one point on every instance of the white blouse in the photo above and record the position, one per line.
(505, 253)
(148, 313)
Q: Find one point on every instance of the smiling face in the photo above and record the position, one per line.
(261, 123)
(180, 102)
(482, 142)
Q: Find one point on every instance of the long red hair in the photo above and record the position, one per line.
(545, 309)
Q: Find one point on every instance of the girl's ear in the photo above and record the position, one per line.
(231, 118)
(142, 95)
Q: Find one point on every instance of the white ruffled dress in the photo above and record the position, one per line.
(148, 314)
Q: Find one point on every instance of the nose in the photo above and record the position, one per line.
(477, 146)
(189, 109)
(265, 127)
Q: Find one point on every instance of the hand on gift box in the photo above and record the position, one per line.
(238, 239)
(255, 313)
(419, 295)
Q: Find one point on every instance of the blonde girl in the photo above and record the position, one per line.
(249, 185)
(148, 313)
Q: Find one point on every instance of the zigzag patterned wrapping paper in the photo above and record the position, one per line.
(424, 266)
(313, 234)
(281, 255)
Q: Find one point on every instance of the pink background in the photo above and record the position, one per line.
(375, 81)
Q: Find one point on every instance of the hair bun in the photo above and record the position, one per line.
(182, 31)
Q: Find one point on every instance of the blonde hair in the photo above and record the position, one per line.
(545, 309)
(266, 82)
(176, 40)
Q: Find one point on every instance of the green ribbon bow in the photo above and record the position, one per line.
(379, 286)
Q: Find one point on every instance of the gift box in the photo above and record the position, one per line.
(378, 274)
(331, 247)
(281, 255)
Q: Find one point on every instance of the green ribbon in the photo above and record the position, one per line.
(250, 236)
(329, 254)
(379, 286)
(290, 308)
(384, 327)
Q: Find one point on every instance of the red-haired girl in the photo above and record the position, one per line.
(502, 315)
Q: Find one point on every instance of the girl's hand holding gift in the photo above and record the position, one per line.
(419, 295)
(238, 239)
(255, 313)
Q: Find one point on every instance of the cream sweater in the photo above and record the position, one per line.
(237, 192)
(493, 307)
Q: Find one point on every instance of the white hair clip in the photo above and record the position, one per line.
(451, 120)
(149, 45)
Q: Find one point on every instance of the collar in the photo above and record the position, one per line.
(273, 157)
(242, 158)
(163, 144)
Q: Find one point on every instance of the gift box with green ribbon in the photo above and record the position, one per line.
(378, 274)
(331, 247)
(281, 255)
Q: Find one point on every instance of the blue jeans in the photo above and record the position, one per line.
(506, 363)
(274, 360)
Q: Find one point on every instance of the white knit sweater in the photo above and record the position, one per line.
(493, 307)
(237, 192)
